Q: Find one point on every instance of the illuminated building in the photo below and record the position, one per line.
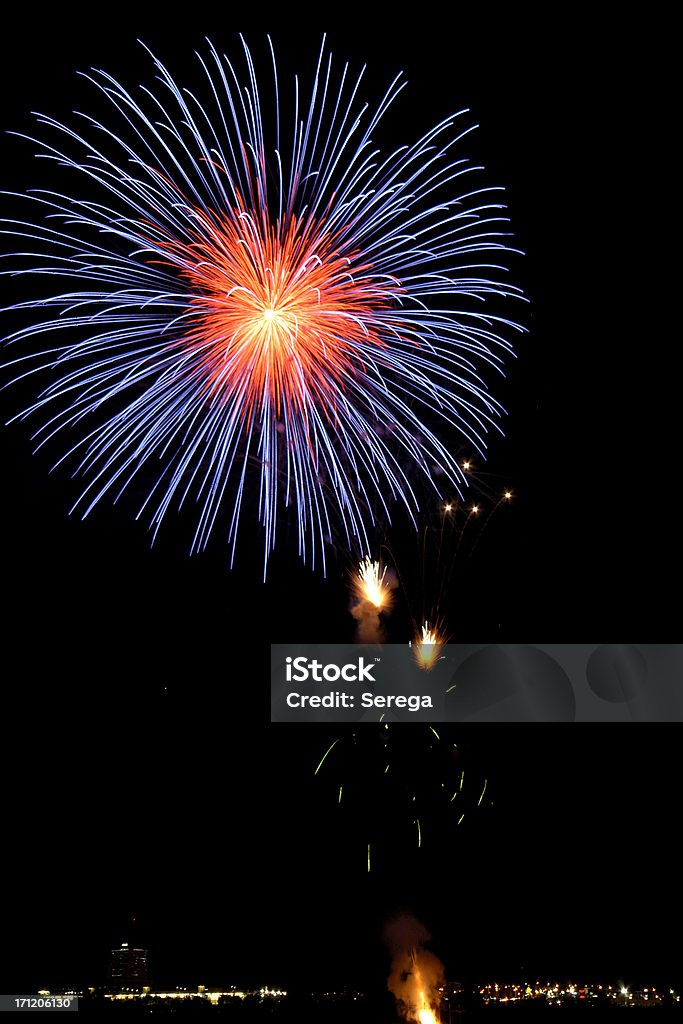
(129, 967)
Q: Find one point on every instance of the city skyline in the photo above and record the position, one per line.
(492, 993)
(129, 973)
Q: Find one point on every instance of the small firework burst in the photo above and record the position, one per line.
(427, 646)
(370, 584)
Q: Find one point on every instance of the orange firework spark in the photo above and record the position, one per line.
(277, 312)
(370, 583)
(414, 980)
(427, 646)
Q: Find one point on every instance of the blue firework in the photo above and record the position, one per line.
(250, 312)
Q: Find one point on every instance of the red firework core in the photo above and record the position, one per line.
(279, 314)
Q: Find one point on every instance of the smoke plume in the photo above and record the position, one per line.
(416, 973)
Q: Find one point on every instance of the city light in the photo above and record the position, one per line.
(213, 996)
(560, 994)
(492, 993)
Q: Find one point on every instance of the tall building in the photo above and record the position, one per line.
(129, 967)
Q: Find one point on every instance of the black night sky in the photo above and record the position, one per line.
(140, 774)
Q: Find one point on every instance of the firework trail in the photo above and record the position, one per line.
(260, 312)
(454, 528)
(402, 786)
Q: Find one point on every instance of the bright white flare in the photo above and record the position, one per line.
(371, 585)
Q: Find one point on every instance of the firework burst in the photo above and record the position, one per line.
(264, 314)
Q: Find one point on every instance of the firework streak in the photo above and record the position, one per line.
(265, 312)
